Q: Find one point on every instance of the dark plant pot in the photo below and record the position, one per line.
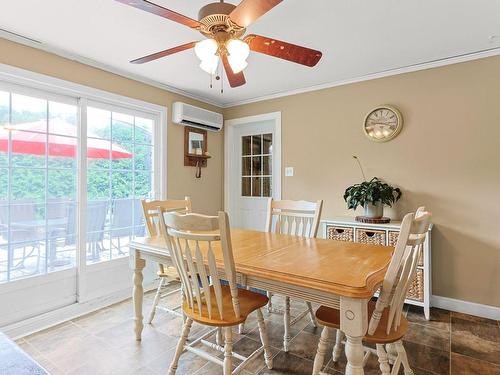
(374, 211)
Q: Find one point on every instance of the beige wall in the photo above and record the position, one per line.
(447, 157)
(206, 192)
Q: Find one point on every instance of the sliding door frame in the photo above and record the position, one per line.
(84, 94)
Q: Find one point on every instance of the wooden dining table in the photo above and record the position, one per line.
(337, 274)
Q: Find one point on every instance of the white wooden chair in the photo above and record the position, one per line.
(297, 218)
(388, 324)
(166, 273)
(190, 240)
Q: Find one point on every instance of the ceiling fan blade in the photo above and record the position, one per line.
(162, 12)
(283, 50)
(164, 53)
(249, 10)
(235, 79)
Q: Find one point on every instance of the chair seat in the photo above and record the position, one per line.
(168, 272)
(249, 302)
(329, 317)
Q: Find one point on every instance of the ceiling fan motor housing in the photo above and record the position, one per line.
(214, 18)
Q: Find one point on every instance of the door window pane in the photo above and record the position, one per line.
(143, 130)
(246, 187)
(256, 161)
(26, 109)
(4, 107)
(267, 143)
(246, 143)
(62, 119)
(256, 144)
(267, 166)
(120, 174)
(246, 164)
(98, 123)
(35, 195)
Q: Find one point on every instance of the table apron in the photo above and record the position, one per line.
(276, 287)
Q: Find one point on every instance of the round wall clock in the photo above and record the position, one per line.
(383, 123)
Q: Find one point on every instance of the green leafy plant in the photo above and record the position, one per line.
(372, 191)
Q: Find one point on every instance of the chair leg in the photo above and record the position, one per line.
(241, 328)
(404, 358)
(180, 346)
(156, 300)
(392, 352)
(270, 303)
(337, 349)
(264, 339)
(383, 360)
(323, 344)
(219, 340)
(286, 319)
(311, 314)
(228, 351)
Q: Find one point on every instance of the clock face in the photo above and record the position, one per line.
(383, 123)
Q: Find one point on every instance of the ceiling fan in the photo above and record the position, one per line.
(224, 25)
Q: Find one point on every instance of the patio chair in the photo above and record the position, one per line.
(96, 220)
(13, 217)
(126, 215)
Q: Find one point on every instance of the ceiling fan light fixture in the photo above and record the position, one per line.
(238, 52)
(210, 65)
(238, 49)
(237, 65)
(206, 49)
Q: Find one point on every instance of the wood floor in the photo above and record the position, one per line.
(103, 343)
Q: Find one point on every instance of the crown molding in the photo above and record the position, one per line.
(20, 39)
(384, 73)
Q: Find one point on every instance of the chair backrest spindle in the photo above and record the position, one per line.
(151, 210)
(190, 240)
(296, 218)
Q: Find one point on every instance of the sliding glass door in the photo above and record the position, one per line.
(118, 177)
(45, 262)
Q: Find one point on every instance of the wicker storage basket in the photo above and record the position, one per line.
(370, 236)
(416, 290)
(340, 233)
(392, 240)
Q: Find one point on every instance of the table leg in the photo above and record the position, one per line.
(138, 294)
(287, 337)
(354, 323)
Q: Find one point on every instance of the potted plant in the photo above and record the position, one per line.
(371, 195)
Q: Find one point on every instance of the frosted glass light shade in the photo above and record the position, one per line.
(238, 50)
(210, 64)
(206, 49)
(236, 65)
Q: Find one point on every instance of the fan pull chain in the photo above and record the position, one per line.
(222, 81)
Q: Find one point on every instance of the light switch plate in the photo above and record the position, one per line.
(289, 171)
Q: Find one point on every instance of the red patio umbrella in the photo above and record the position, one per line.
(31, 138)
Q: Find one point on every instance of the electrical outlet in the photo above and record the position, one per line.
(289, 171)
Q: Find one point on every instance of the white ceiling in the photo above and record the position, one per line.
(357, 38)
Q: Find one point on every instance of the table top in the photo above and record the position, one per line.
(342, 268)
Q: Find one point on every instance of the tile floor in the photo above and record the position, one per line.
(103, 343)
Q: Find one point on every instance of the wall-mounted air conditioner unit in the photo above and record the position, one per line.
(189, 115)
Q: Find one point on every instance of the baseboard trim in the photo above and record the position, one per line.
(466, 307)
(40, 322)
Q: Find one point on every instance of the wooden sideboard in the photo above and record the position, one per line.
(348, 229)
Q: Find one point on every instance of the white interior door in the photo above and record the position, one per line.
(253, 168)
